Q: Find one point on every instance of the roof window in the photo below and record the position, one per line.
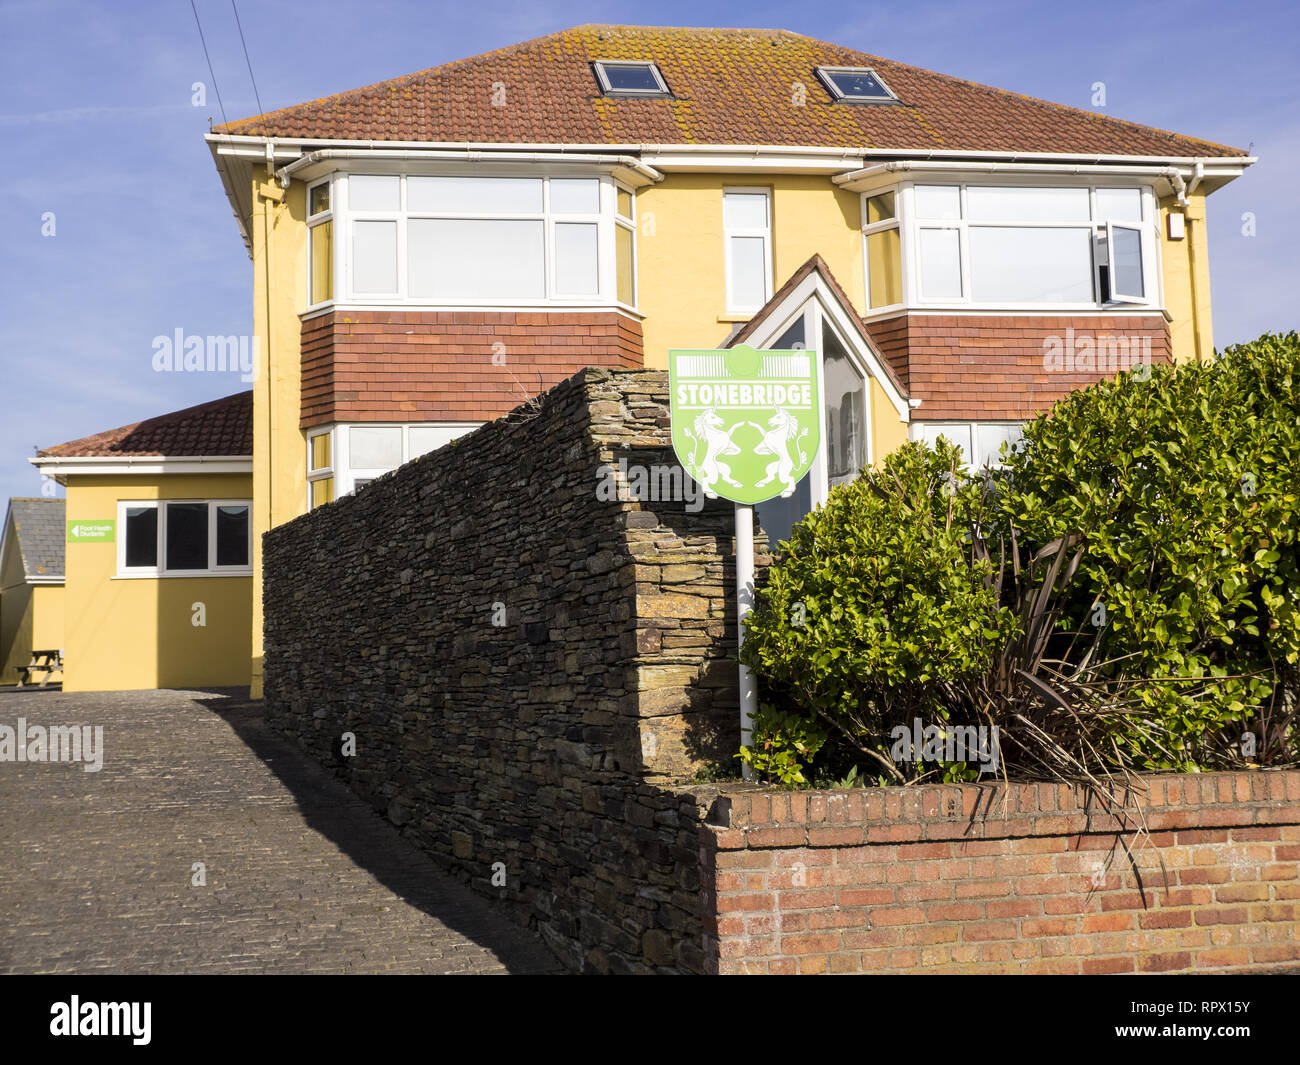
(856, 85)
(630, 78)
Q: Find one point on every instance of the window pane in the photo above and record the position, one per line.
(322, 262)
(845, 404)
(937, 201)
(1126, 263)
(575, 196)
(320, 199)
(625, 203)
(626, 267)
(955, 434)
(940, 264)
(880, 208)
(989, 438)
(631, 77)
(373, 193)
(374, 257)
(474, 195)
(232, 536)
(322, 491)
(1031, 265)
(1119, 205)
(187, 536)
(575, 259)
(996, 204)
(884, 272)
(793, 338)
(375, 447)
(475, 258)
(320, 451)
(142, 536)
(426, 438)
(748, 287)
(744, 210)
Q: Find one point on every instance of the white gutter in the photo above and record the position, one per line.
(242, 144)
(469, 155)
(60, 466)
(1172, 174)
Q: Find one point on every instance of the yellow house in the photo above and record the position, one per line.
(159, 583)
(431, 250)
(31, 583)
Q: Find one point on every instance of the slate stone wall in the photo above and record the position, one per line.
(527, 657)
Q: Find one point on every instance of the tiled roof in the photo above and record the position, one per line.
(818, 264)
(729, 86)
(221, 427)
(39, 531)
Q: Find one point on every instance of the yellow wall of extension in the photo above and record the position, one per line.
(128, 633)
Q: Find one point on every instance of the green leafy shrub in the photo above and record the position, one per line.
(1123, 596)
(1182, 485)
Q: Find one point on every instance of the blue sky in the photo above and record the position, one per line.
(96, 116)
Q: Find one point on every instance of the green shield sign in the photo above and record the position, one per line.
(745, 423)
(90, 531)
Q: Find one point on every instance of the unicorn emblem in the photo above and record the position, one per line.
(782, 438)
(717, 443)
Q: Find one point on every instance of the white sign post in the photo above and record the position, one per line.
(744, 603)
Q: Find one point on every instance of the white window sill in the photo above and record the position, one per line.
(189, 575)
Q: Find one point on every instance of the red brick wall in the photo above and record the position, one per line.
(437, 365)
(991, 367)
(999, 879)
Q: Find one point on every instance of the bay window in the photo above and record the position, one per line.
(881, 246)
(343, 458)
(320, 235)
(454, 239)
(1015, 245)
(194, 538)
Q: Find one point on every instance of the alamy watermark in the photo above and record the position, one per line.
(1102, 353)
(180, 353)
(946, 743)
(58, 743)
(634, 483)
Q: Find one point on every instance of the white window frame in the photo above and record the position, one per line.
(870, 228)
(607, 90)
(319, 474)
(626, 222)
(911, 225)
(314, 220)
(346, 475)
(159, 570)
(604, 218)
(747, 231)
(1110, 264)
(915, 430)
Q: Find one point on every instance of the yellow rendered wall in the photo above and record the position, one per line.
(681, 284)
(279, 455)
(15, 614)
(888, 430)
(1186, 267)
(126, 634)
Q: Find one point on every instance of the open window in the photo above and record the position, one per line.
(1125, 270)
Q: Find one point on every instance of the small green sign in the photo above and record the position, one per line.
(85, 531)
(745, 423)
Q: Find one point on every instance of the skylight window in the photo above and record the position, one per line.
(856, 85)
(625, 78)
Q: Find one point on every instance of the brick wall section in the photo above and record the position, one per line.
(992, 368)
(1020, 879)
(438, 365)
(540, 743)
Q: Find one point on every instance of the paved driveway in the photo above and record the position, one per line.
(96, 869)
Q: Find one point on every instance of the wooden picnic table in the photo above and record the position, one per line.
(49, 662)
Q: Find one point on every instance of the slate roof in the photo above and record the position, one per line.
(729, 86)
(220, 427)
(38, 527)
